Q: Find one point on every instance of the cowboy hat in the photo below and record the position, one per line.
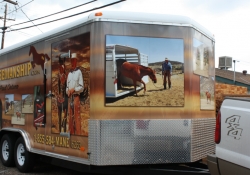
(73, 55)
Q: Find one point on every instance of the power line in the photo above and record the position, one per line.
(11, 2)
(25, 33)
(44, 16)
(70, 15)
(243, 61)
(30, 20)
(5, 15)
(20, 32)
(54, 13)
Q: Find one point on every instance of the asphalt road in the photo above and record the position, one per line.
(42, 168)
(39, 169)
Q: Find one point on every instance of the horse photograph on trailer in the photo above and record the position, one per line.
(134, 71)
(27, 103)
(9, 104)
(207, 96)
(18, 118)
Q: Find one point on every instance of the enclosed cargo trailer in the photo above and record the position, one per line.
(54, 93)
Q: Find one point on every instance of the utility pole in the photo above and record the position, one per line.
(9, 1)
(4, 27)
(234, 61)
(4, 22)
(234, 71)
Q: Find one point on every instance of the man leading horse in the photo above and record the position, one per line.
(167, 71)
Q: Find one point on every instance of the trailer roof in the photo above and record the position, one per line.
(150, 18)
(117, 16)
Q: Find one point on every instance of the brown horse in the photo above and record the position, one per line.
(62, 98)
(7, 106)
(136, 72)
(208, 96)
(18, 115)
(38, 58)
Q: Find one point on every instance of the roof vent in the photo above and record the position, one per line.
(225, 62)
(244, 72)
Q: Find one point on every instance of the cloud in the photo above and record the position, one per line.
(215, 7)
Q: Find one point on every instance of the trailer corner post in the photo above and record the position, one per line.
(44, 83)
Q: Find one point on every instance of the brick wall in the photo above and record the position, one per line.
(222, 90)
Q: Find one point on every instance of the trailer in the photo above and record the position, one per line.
(66, 104)
(115, 56)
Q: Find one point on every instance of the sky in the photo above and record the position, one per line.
(156, 49)
(227, 20)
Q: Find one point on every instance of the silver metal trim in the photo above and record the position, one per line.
(56, 37)
(128, 142)
(122, 142)
(65, 134)
(56, 155)
(155, 23)
(202, 141)
(61, 156)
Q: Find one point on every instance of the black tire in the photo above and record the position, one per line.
(24, 159)
(7, 150)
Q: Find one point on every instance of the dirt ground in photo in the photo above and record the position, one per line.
(155, 94)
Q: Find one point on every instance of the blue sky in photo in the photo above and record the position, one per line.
(157, 49)
(10, 97)
(24, 96)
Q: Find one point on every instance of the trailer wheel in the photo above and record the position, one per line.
(7, 150)
(24, 159)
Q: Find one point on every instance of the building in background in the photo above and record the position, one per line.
(223, 75)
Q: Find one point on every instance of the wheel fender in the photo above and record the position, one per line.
(23, 133)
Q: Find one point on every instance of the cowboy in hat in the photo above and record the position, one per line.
(167, 71)
(73, 89)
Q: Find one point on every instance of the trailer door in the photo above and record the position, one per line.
(68, 95)
(111, 73)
